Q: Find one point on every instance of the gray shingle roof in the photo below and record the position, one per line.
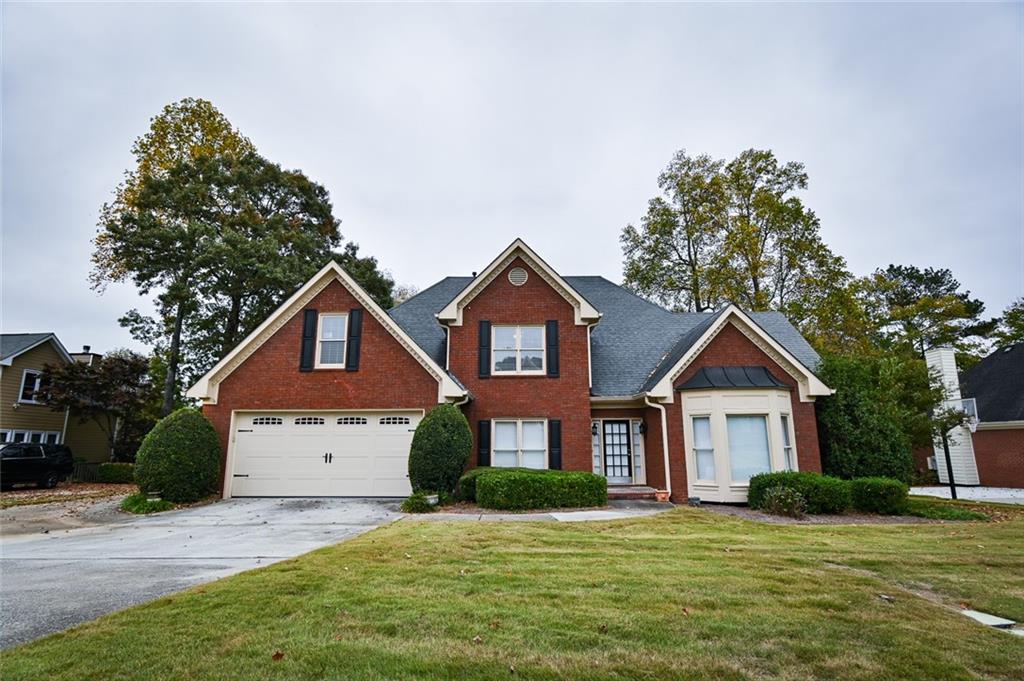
(15, 343)
(633, 346)
(997, 385)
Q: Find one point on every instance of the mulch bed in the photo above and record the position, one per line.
(65, 491)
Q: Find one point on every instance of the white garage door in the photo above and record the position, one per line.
(322, 454)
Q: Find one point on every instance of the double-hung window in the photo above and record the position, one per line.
(520, 444)
(703, 450)
(331, 336)
(517, 349)
(31, 381)
(787, 444)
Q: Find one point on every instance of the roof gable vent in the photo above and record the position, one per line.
(517, 276)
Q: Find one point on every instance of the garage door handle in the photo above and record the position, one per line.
(241, 475)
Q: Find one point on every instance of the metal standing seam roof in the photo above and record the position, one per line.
(632, 346)
(732, 378)
(997, 385)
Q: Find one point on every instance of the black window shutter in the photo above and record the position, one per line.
(355, 333)
(483, 443)
(551, 341)
(555, 444)
(308, 352)
(485, 349)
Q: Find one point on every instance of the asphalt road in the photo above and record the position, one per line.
(50, 582)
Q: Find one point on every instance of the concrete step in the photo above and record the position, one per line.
(616, 492)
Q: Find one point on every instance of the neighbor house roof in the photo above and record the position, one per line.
(633, 347)
(997, 385)
(14, 344)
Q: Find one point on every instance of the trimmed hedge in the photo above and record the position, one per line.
(823, 493)
(879, 495)
(466, 489)
(784, 501)
(440, 450)
(115, 473)
(517, 490)
(180, 458)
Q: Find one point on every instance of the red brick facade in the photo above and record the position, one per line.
(999, 455)
(566, 397)
(388, 376)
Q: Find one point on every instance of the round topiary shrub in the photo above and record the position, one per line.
(440, 450)
(180, 458)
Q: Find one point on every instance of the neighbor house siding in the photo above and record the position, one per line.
(32, 417)
(566, 397)
(731, 348)
(388, 376)
(999, 455)
(87, 441)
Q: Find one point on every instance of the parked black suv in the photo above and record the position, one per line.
(45, 465)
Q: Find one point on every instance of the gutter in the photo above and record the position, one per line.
(664, 441)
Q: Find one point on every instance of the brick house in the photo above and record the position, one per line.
(992, 391)
(551, 371)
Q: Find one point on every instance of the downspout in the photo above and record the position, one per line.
(590, 365)
(664, 440)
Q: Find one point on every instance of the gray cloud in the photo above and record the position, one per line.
(445, 131)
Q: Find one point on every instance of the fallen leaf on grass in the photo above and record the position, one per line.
(277, 657)
(477, 640)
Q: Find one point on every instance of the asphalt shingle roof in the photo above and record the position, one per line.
(997, 385)
(633, 346)
(15, 343)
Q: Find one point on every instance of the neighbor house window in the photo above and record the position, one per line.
(31, 381)
(748, 446)
(703, 451)
(330, 349)
(517, 349)
(787, 444)
(521, 444)
(5, 436)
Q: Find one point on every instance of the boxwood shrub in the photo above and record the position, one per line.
(180, 458)
(521, 490)
(879, 495)
(116, 473)
(823, 493)
(466, 489)
(440, 450)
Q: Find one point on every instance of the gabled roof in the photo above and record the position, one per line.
(14, 344)
(451, 313)
(206, 387)
(635, 344)
(997, 385)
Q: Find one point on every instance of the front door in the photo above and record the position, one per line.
(618, 465)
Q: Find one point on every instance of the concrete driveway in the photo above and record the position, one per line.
(52, 581)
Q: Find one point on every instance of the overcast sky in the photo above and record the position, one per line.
(445, 131)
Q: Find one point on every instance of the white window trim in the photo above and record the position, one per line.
(519, 441)
(786, 430)
(21, 391)
(518, 350)
(693, 447)
(319, 343)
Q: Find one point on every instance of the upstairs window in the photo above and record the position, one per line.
(517, 349)
(31, 381)
(331, 336)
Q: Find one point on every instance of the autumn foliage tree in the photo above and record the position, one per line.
(110, 392)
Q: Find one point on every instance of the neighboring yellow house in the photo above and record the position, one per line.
(22, 418)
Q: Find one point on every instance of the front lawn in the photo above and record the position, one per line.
(686, 594)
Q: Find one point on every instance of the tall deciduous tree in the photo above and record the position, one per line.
(1011, 325)
(111, 390)
(915, 309)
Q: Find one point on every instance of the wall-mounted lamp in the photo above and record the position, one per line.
(643, 427)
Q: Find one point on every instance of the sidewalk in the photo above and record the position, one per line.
(1000, 495)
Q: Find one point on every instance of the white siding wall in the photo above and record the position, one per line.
(961, 447)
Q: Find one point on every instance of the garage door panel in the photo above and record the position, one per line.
(284, 454)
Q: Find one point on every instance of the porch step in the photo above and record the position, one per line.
(631, 492)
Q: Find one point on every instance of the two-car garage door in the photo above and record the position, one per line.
(330, 454)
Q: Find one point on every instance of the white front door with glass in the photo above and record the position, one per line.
(732, 435)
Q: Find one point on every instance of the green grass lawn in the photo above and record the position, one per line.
(686, 594)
